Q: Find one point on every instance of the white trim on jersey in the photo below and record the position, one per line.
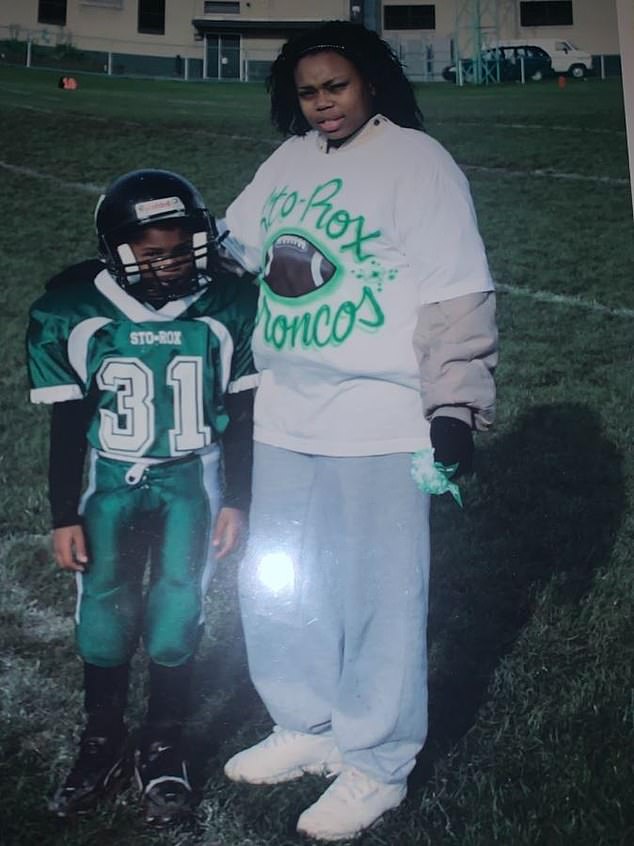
(152, 462)
(244, 383)
(58, 393)
(91, 487)
(78, 341)
(226, 347)
(141, 312)
(210, 463)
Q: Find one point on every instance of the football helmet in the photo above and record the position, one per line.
(155, 198)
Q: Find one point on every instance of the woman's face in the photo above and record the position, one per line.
(333, 96)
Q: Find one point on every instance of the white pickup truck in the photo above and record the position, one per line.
(566, 57)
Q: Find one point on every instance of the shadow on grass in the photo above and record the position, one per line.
(545, 509)
(224, 699)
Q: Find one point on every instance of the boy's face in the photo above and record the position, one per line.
(165, 259)
(333, 96)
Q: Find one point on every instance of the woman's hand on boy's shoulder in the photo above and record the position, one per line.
(229, 531)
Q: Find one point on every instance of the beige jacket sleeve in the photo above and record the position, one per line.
(456, 343)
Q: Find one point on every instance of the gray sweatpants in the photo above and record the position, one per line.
(333, 593)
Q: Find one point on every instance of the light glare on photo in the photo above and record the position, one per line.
(276, 571)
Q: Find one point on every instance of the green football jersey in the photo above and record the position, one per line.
(155, 377)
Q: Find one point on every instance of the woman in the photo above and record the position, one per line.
(376, 331)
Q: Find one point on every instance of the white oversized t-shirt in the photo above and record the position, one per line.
(350, 244)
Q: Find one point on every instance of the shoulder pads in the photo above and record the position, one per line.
(83, 272)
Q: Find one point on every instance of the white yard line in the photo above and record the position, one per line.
(272, 142)
(38, 109)
(181, 101)
(555, 128)
(502, 171)
(546, 172)
(25, 92)
(541, 296)
(564, 299)
(86, 187)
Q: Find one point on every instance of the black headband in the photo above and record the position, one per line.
(323, 47)
(316, 48)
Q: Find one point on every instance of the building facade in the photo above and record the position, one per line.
(214, 39)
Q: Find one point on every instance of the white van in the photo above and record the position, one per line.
(566, 57)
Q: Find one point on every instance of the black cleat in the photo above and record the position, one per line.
(102, 769)
(162, 778)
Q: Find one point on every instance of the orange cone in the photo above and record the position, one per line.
(561, 82)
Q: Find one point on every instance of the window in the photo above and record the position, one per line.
(546, 13)
(214, 7)
(356, 11)
(108, 4)
(152, 17)
(52, 12)
(409, 17)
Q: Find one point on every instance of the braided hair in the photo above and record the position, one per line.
(374, 59)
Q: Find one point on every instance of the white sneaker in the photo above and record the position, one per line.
(283, 756)
(352, 803)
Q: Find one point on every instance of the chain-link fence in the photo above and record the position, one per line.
(42, 48)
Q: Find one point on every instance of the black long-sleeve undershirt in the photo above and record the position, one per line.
(68, 446)
(66, 455)
(237, 450)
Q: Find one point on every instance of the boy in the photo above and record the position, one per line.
(145, 355)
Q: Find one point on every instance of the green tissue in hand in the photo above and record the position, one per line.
(432, 477)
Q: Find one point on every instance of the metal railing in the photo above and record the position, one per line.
(424, 60)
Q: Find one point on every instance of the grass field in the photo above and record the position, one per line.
(532, 595)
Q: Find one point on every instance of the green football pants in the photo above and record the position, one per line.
(156, 518)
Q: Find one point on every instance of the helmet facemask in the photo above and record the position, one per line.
(162, 277)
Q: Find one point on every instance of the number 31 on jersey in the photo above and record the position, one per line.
(131, 428)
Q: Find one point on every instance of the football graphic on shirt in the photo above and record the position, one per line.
(294, 266)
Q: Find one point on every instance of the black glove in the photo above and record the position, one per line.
(452, 441)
